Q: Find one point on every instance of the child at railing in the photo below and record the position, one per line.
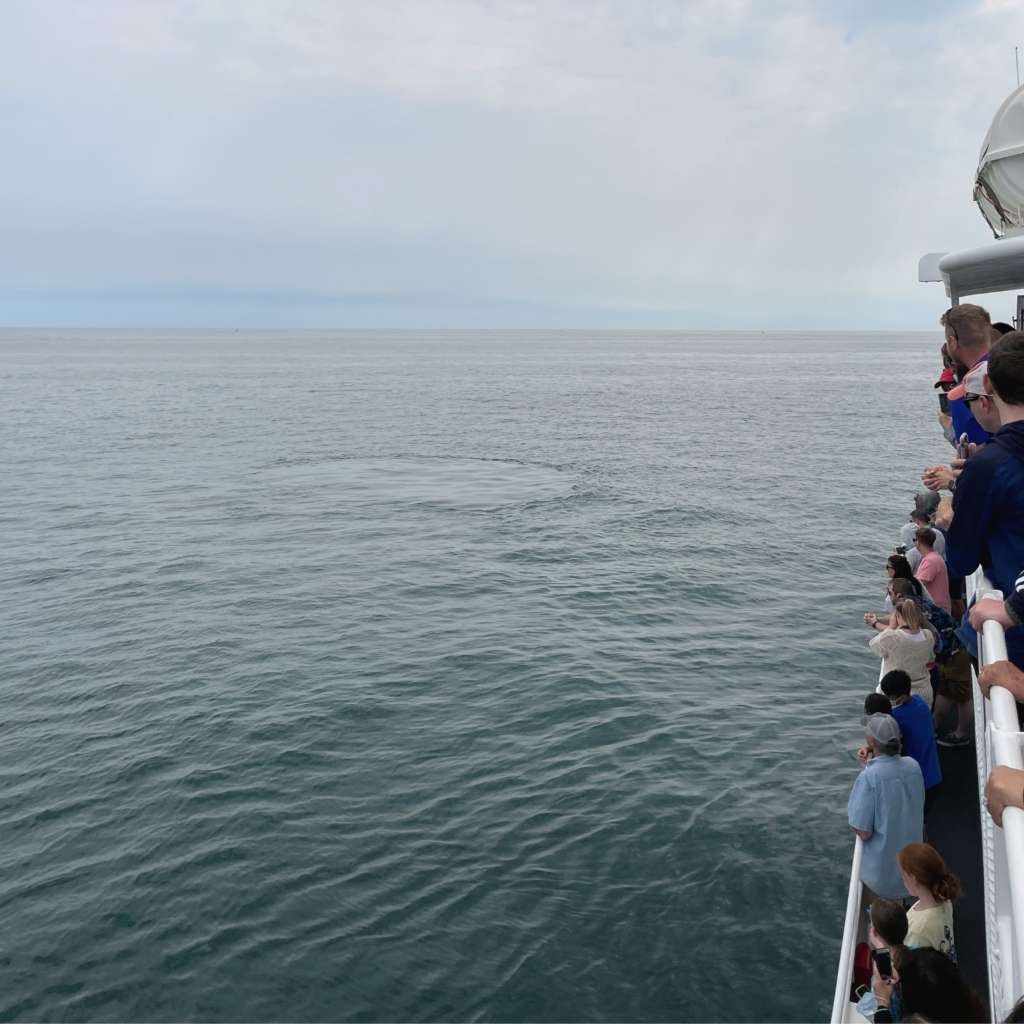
(930, 919)
(889, 927)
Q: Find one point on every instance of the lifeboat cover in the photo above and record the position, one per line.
(999, 183)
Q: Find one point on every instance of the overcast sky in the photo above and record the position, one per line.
(492, 163)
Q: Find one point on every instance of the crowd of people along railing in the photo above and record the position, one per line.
(998, 742)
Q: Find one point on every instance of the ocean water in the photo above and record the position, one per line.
(503, 676)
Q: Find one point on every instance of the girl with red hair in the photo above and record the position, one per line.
(930, 919)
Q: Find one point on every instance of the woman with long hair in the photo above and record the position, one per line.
(898, 568)
(889, 927)
(930, 919)
(908, 644)
(930, 986)
(947, 644)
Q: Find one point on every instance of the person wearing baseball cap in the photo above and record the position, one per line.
(886, 807)
(946, 381)
(979, 400)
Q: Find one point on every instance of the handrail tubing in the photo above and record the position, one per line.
(1005, 737)
(845, 976)
(846, 951)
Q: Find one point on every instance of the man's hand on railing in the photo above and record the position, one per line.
(1001, 673)
(989, 609)
(1005, 788)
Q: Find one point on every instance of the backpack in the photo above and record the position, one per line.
(946, 626)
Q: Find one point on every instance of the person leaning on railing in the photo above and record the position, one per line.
(1009, 613)
(909, 644)
(886, 806)
(1005, 786)
(898, 567)
(988, 504)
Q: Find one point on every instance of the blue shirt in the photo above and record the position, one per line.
(988, 519)
(888, 801)
(963, 419)
(915, 722)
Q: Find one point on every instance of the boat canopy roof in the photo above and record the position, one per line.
(994, 267)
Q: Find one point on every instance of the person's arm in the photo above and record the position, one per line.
(880, 622)
(972, 516)
(883, 989)
(1002, 673)
(941, 478)
(861, 808)
(989, 608)
(880, 643)
(1005, 788)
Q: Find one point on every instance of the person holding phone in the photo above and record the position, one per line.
(888, 928)
(927, 984)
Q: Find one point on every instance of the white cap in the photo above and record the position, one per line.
(973, 384)
(884, 728)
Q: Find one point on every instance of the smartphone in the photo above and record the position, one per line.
(961, 448)
(944, 402)
(884, 962)
(900, 549)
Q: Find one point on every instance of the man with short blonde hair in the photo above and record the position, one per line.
(968, 339)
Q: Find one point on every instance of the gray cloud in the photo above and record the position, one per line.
(711, 163)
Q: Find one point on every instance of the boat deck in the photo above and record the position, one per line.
(954, 829)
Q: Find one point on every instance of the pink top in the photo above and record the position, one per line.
(932, 573)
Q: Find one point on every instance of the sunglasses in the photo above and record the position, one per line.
(973, 398)
(949, 323)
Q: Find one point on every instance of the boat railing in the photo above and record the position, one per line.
(845, 977)
(998, 742)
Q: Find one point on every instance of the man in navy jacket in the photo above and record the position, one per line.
(988, 502)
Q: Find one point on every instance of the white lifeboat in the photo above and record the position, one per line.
(999, 182)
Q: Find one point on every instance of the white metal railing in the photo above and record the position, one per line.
(845, 977)
(998, 741)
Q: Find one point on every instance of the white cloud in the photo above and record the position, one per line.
(689, 164)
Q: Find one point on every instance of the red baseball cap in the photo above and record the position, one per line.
(947, 375)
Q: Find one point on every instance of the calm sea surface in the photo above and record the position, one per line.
(416, 676)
